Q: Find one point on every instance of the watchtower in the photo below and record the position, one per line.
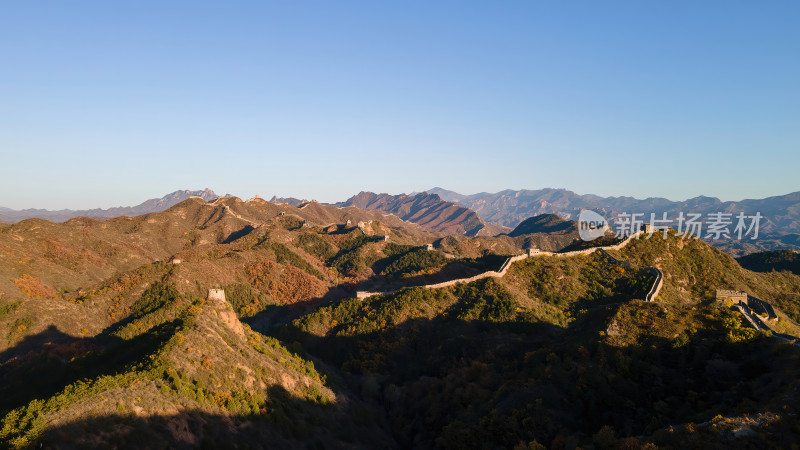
(216, 294)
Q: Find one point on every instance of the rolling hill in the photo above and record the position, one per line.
(108, 336)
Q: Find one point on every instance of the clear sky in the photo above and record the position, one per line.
(110, 103)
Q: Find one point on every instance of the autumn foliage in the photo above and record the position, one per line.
(259, 274)
(295, 286)
(32, 287)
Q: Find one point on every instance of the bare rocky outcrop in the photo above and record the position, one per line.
(224, 311)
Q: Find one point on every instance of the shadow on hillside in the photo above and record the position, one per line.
(277, 315)
(622, 292)
(272, 316)
(453, 270)
(51, 336)
(284, 422)
(446, 378)
(238, 234)
(43, 366)
(340, 228)
(580, 244)
(419, 336)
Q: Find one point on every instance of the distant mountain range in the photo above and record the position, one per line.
(779, 227)
(153, 205)
(428, 210)
(491, 214)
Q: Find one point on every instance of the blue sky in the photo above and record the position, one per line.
(104, 103)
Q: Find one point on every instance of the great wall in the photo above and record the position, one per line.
(652, 294)
(744, 303)
(759, 314)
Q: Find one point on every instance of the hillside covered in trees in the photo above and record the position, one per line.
(109, 338)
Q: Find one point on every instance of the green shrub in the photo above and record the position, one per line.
(413, 262)
(681, 340)
(291, 222)
(483, 300)
(158, 304)
(315, 244)
(245, 300)
(292, 360)
(9, 308)
(18, 328)
(285, 256)
(743, 335)
(357, 239)
(392, 249)
(349, 262)
(23, 425)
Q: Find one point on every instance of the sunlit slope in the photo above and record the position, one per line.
(185, 371)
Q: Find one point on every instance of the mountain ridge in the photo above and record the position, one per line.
(428, 210)
(780, 214)
(9, 215)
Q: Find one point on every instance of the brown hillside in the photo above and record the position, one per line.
(427, 210)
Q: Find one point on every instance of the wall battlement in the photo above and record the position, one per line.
(735, 296)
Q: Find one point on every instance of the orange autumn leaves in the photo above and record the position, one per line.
(284, 283)
(32, 287)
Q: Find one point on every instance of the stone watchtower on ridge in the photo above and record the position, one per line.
(216, 294)
(734, 296)
(533, 251)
